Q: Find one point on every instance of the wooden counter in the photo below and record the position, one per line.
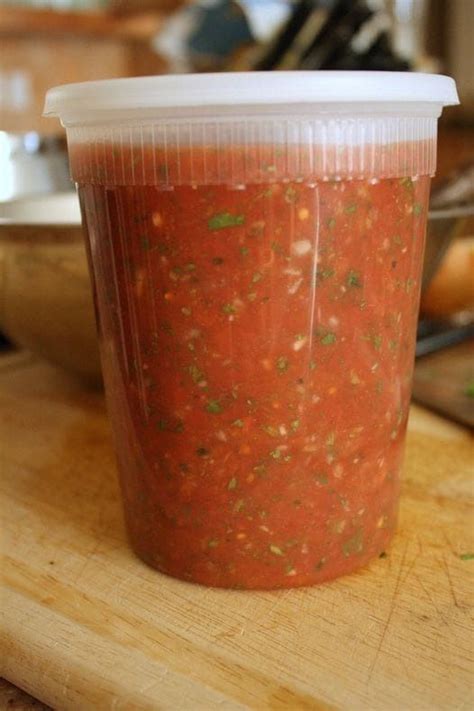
(88, 626)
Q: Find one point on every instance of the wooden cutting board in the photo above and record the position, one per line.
(88, 626)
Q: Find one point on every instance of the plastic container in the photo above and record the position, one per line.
(256, 245)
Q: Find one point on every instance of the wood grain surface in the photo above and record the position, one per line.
(88, 626)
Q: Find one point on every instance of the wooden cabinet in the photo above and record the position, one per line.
(42, 48)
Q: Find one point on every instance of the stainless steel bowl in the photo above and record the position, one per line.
(31, 164)
(45, 294)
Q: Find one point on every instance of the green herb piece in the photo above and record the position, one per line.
(186, 311)
(202, 452)
(328, 339)
(294, 425)
(377, 341)
(469, 391)
(214, 407)
(260, 469)
(291, 196)
(353, 279)
(353, 545)
(322, 479)
(162, 425)
(232, 484)
(145, 243)
(252, 296)
(331, 223)
(407, 183)
(417, 209)
(229, 309)
(196, 374)
(244, 251)
(257, 276)
(238, 423)
(275, 454)
(467, 556)
(325, 273)
(282, 364)
(276, 247)
(189, 267)
(213, 543)
(270, 430)
(224, 219)
(276, 550)
(312, 364)
(239, 505)
(350, 209)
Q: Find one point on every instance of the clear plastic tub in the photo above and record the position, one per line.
(256, 245)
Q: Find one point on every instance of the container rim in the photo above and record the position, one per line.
(197, 93)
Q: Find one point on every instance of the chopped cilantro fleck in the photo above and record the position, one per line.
(325, 273)
(328, 339)
(229, 309)
(244, 251)
(350, 209)
(467, 556)
(238, 423)
(232, 484)
(270, 430)
(295, 425)
(196, 374)
(221, 220)
(354, 544)
(353, 279)
(291, 196)
(214, 407)
(377, 341)
(282, 364)
(275, 454)
(417, 209)
(213, 543)
(257, 277)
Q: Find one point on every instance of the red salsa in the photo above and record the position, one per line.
(257, 345)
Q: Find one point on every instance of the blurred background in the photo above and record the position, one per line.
(49, 42)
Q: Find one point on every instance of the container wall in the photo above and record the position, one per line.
(257, 324)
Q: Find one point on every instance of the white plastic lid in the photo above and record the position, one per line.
(210, 94)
